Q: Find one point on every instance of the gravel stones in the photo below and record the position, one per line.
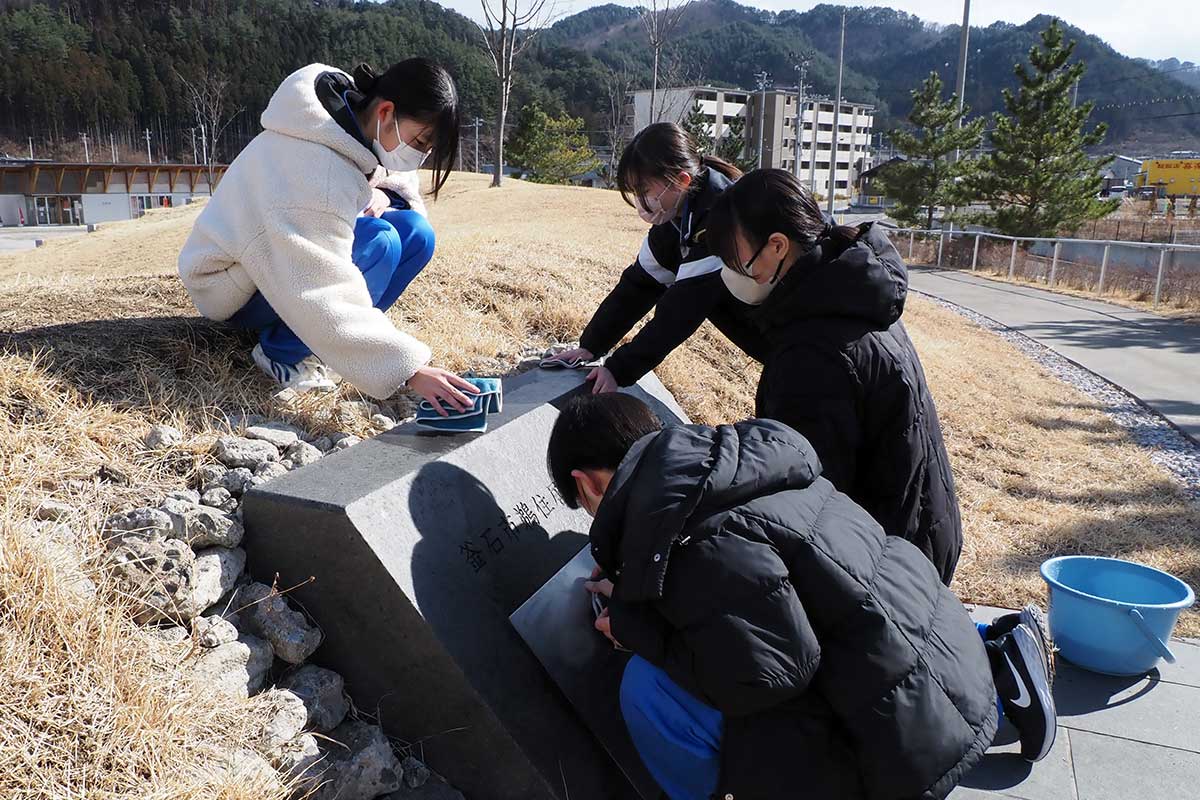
(201, 526)
(324, 695)
(140, 523)
(301, 454)
(267, 614)
(162, 437)
(157, 574)
(279, 434)
(238, 451)
(215, 571)
(220, 499)
(361, 766)
(235, 668)
(213, 631)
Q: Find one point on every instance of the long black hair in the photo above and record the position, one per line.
(423, 91)
(661, 151)
(595, 431)
(768, 201)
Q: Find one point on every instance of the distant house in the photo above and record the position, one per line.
(42, 192)
(868, 193)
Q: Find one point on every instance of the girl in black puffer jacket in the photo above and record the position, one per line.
(840, 367)
(785, 645)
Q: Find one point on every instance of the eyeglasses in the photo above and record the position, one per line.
(744, 270)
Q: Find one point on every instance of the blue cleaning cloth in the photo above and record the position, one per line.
(490, 400)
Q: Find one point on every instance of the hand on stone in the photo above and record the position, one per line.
(440, 385)
(603, 380)
(580, 354)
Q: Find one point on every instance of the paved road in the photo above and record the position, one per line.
(1155, 358)
(15, 239)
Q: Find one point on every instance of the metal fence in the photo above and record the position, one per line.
(1163, 272)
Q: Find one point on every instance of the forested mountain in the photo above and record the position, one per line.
(99, 66)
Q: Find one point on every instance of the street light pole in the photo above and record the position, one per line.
(802, 68)
(762, 114)
(961, 88)
(837, 110)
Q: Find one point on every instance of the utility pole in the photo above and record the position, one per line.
(1075, 97)
(963, 41)
(802, 68)
(837, 110)
(149, 155)
(87, 154)
(762, 113)
(478, 122)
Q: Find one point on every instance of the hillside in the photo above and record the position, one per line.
(888, 53)
(113, 66)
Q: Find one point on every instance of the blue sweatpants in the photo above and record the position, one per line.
(389, 250)
(677, 736)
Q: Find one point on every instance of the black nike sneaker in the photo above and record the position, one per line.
(1033, 618)
(1019, 671)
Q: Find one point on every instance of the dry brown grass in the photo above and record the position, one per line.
(87, 363)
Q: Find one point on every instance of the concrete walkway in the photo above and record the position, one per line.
(1155, 358)
(1118, 738)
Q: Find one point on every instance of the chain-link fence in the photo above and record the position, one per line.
(1160, 273)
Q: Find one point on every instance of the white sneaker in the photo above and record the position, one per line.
(309, 375)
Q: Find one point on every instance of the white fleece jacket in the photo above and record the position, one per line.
(282, 221)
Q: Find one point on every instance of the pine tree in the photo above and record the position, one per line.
(732, 145)
(551, 149)
(696, 125)
(1039, 179)
(930, 177)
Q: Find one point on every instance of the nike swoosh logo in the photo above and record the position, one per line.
(1022, 699)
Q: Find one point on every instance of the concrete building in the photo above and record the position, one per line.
(778, 116)
(1170, 177)
(35, 192)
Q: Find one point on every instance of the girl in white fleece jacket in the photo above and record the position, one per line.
(319, 226)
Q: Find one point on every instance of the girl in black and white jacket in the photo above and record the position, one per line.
(672, 186)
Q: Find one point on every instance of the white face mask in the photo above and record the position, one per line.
(653, 212)
(404, 158)
(744, 288)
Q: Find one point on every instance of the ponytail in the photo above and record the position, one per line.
(722, 166)
(768, 201)
(421, 90)
(660, 152)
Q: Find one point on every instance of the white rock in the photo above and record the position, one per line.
(266, 613)
(162, 437)
(190, 496)
(156, 574)
(210, 475)
(215, 571)
(237, 480)
(53, 510)
(279, 434)
(216, 497)
(142, 523)
(201, 526)
(284, 721)
(324, 694)
(235, 668)
(348, 440)
(361, 766)
(213, 631)
(301, 759)
(383, 422)
(302, 454)
(272, 469)
(236, 451)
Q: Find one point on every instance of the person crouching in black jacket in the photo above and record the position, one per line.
(785, 646)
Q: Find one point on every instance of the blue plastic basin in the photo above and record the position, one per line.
(1112, 616)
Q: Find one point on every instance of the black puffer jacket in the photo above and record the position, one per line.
(844, 668)
(842, 371)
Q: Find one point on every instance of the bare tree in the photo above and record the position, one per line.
(208, 95)
(617, 84)
(674, 72)
(660, 20)
(512, 25)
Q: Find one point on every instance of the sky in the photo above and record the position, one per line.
(1155, 29)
